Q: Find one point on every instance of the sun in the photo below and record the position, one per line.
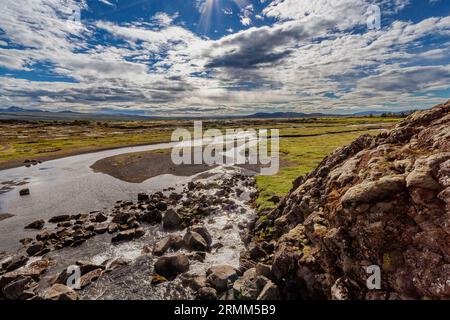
(210, 8)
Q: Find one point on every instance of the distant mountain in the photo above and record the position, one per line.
(17, 113)
(105, 114)
(264, 115)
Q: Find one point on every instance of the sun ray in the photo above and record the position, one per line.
(208, 8)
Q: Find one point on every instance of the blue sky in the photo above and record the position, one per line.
(197, 57)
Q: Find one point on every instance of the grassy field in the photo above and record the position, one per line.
(303, 155)
(304, 142)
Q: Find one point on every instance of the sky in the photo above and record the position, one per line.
(218, 57)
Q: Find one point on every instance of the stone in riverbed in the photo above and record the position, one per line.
(20, 289)
(171, 266)
(171, 242)
(201, 230)
(162, 206)
(195, 241)
(90, 277)
(121, 218)
(100, 217)
(245, 287)
(38, 225)
(143, 197)
(35, 248)
(14, 262)
(60, 218)
(221, 277)
(171, 220)
(269, 292)
(194, 282)
(60, 292)
(101, 228)
(24, 192)
(129, 234)
(151, 216)
(206, 293)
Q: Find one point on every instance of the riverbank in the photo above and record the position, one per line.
(166, 245)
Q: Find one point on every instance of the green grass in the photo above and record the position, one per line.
(303, 155)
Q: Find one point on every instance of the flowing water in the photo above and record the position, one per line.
(69, 186)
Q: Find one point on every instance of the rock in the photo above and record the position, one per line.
(274, 199)
(206, 293)
(380, 201)
(38, 225)
(374, 190)
(201, 230)
(121, 218)
(35, 249)
(245, 287)
(171, 266)
(14, 262)
(60, 218)
(152, 216)
(128, 235)
(269, 292)
(20, 289)
(221, 277)
(194, 282)
(195, 241)
(90, 277)
(174, 242)
(171, 220)
(263, 270)
(116, 264)
(157, 279)
(112, 227)
(86, 267)
(33, 270)
(24, 192)
(101, 228)
(100, 217)
(60, 292)
(256, 251)
(197, 256)
(161, 206)
(143, 197)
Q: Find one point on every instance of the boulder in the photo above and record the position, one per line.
(14, 262)
(201, 230)
(20, 289)
(221, 277)
(60, 218)
(60, 292)
(38, 225)
(174, 242)
(194, 282)
(206, 293)
(371, 191)
(153, 216)
(269, 292)
(171, 266)
(143, 197)
(24, 192)
(128, 235)
(171, 220)
(195, 241)
(245, 287)
(121, 218)
(90, 277)
(100, 217)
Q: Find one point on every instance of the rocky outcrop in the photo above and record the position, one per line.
(380, 206)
